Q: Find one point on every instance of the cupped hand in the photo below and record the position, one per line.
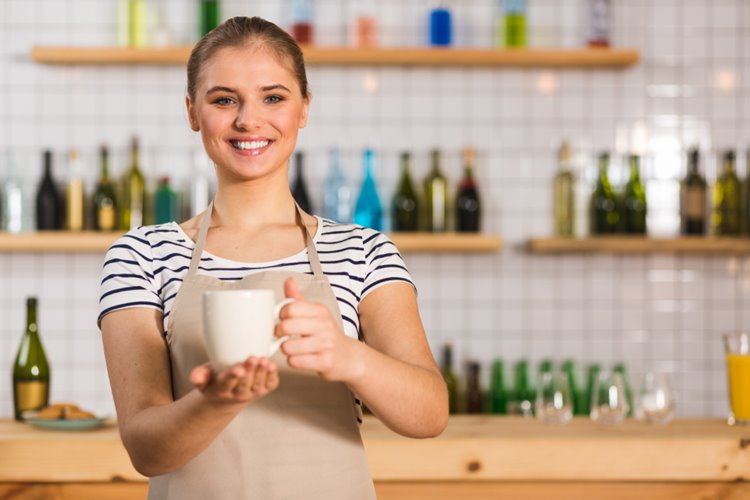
(238, 384)
(315, 342)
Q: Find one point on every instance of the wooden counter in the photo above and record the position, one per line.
(476, 457)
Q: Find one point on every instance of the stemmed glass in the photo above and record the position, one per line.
(554, 404)
(608, 402)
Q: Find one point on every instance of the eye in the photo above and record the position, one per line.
(223, 101)
(273, 99)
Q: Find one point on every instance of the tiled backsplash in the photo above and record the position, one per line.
(692, 86)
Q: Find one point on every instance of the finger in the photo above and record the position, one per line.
(272, 380)
(304, 326)
(291, 290)
(227, 380)
(244, 383)
(261, 378)
(307, 345)
(303, 308)
(311, 362)
(200, 376)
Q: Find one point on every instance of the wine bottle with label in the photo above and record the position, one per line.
(299, 186)
(405, 201)
(368, 211)
(564, 194)
(451, 381)
(104, 201)
(634, 200)
(468, 207)
(604, 207)
(436, 197)
(727, 208)
(338, 196)
(74, 194)
(133, 192)
(693, 197)
(30, 369)
(166, 203)
(48, 203)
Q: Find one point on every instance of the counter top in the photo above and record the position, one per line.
(473, 448)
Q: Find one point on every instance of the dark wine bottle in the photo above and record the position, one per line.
(634, 200)
(405, 202)
(693, 198)
(450, 378)
(468, 207)
(299, 187)
(727, 208)
(604, 209)
(48, 199)
(474, 396)
(30, 370)
(436, 196)
(104, 200)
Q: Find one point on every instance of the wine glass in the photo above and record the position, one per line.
(553, 398)
(608, 402)
(655, 400)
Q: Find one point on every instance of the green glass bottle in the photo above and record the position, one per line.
(592, 373)
(436, 197)
(727, 208)
(521, 398)
(405, 201)
(620, 368)
(209, 16)
(30, 370)
(577, 395)
(137, 23)
(133, 192)
(515, 23)
(104, 201)
(474, 395)
(605, 207)
(166, 203)
(693, 198)
(634, 200)
(498, 394)
(450, 378)
(564, 193)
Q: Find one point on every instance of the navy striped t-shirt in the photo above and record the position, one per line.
(146, 266)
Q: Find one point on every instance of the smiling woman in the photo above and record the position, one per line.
(278, 427)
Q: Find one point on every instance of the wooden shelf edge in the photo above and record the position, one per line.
(640, 245)
(95, 242)
(343, 56)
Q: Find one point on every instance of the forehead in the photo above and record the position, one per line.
(247, 65)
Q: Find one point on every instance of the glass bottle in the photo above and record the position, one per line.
(209, 16)
(104, 201)
(498, 393)
(436, 197)
(599, 23)
(468, 207)
(299, 186)
(521, 399)
(137, 23)
(368, 211)
(30, 369)
(450, 378)
(405, 201)
(337, 196)
(302, 29)
(200, 186)
(569, 367)
(564, 194)
(693, 197)
(133, 192)
(48, 205)
(474, 396)
(74, 194)
(592, 373)
(620, 368)
(441, 26)
(515, 23)
(604, 208)
(634, 200)
(12, 197)
(365, 24)
(166, 203)
(727, 209)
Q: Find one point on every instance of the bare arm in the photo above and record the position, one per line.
(394, 372)
(160, 434)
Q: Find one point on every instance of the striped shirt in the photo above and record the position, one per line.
(146, 267)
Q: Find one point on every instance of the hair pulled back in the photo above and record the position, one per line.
(240, 31)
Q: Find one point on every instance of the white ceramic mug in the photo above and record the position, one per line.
(240, 323)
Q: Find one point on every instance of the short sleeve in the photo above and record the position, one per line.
(384, 262)
(128, 276)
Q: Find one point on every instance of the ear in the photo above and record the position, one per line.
(305, 110)
(191, 114)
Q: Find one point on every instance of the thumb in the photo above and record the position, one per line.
(201, 375)
(291, 291)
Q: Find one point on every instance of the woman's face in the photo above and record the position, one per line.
(248, 109)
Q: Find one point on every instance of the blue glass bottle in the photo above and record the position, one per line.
(441, 31)
(368, 211)
(337, 197)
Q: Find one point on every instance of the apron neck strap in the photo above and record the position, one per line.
(312, 253)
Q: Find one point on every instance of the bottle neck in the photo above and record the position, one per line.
(105, 168)
(32, 326)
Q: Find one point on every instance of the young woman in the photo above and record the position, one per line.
(284, 427)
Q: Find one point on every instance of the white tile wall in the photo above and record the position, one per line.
(692, 86)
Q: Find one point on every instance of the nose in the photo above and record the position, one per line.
(248, 117)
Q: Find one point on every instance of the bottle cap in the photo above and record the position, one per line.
(468, 156)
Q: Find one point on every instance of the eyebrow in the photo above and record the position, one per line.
(266, 88)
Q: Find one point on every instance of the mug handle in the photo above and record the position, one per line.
(276, 311)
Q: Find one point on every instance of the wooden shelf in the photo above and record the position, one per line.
(93, 242)
(640, 245)
(336, 56)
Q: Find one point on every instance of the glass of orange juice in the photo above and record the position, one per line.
(737, 347)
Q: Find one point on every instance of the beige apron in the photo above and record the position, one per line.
(301, 441)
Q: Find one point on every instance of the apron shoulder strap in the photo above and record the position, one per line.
(312, 253)
(195, 260)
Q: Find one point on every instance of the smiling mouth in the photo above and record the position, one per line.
(250, 145)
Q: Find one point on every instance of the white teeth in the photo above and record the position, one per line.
(250, 144)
